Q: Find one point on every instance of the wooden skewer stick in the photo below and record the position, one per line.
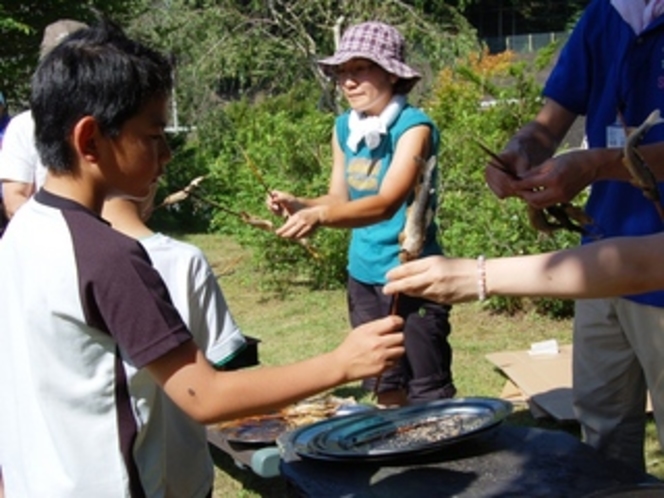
(413, 235)
(565, 214)
(267, 225)
(255, 171)
(255, 222)
(261, 180)
(499, 163)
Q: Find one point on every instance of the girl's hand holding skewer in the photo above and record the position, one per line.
(275, 201)
(282, 203)
(302, 223)
(301, 220)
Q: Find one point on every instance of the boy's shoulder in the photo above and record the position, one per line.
(162, 242)
(71, 226)
(71, 244)
(167, 250)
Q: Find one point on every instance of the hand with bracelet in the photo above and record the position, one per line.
(440, 279)
(611, 267)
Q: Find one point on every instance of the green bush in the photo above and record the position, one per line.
(184, 167)
(472, 220)
(281, 143)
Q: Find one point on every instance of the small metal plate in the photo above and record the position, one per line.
(264, 429)
(254, 430)
(398, 432)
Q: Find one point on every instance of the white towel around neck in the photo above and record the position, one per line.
(372, 128)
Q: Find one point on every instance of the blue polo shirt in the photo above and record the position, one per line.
(606, 68)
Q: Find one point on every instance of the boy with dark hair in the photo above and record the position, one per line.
(85, 313)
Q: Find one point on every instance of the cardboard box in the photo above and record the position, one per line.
(543, 380)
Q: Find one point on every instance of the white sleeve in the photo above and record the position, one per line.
(19, 159)
(197, 296)
(212, 324)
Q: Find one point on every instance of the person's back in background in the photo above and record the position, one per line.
(193, 287)
(21, 171)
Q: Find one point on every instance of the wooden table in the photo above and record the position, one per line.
(261, 460)
(510, 461)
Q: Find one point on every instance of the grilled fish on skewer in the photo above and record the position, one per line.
(559, 216)
(183, 194)
(419, 213)
(642, 176)
(192, 189)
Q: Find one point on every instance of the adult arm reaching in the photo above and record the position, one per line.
(613, 267)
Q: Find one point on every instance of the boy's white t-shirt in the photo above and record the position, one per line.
(82, 307)
(197, 296)
(199, 299)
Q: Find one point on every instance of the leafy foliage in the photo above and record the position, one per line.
(228, 50)
(252, 98)
(472, 220)
(285, 140)
(22, 24)
(252, 90)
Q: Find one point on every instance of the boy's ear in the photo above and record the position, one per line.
(85, 138)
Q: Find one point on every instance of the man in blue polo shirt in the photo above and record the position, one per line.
(611, 71)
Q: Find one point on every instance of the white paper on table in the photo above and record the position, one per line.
(549, 347)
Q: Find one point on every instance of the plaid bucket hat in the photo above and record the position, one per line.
(377, 42)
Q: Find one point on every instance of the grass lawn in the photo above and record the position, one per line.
(307, 322)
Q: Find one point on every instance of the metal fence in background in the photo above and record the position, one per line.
(528, 43)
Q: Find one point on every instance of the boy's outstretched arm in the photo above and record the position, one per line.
(210, 396)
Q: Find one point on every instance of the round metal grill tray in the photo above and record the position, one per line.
(398, 432)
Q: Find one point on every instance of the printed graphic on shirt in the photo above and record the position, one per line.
(362, 174)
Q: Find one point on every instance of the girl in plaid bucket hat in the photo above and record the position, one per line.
(376, 42)
(379, 146)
